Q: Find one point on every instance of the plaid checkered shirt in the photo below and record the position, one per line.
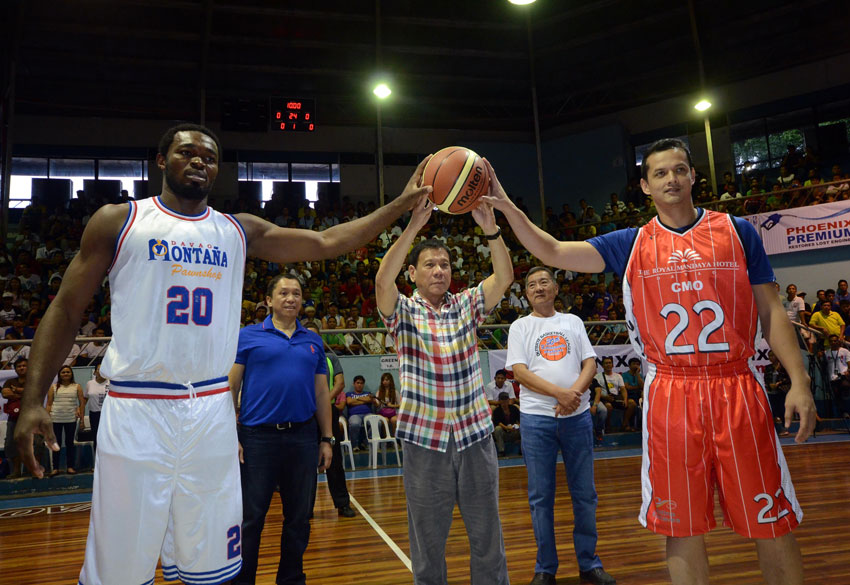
(442, 389)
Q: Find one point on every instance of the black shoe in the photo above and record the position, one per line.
(597, 576)
(346, 512)
(543, 579)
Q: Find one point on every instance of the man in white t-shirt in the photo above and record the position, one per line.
(496, 387)
(837, 359)
(551, 357)
(614, 393)
(795, 308)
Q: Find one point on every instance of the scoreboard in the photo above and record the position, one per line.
(293, 114)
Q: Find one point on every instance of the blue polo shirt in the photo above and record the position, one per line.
(279, 384)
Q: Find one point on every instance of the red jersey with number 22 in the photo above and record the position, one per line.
(688, 297)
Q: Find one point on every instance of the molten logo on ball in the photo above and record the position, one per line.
(473, 188)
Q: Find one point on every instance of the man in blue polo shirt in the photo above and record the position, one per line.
(281, 370)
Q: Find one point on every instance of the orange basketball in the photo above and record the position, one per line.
(458, 177)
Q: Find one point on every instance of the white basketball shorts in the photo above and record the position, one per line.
(166, 484)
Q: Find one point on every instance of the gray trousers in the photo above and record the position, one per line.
(434, 482)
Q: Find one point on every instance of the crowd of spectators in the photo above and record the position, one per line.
(340, 293)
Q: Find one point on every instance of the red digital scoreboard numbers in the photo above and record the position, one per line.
(293, 115)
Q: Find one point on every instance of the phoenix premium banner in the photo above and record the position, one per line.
(804, 228)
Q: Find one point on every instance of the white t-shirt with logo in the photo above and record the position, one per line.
(553, 348)
(614, 386)
(838, 360)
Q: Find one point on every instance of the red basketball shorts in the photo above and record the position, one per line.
(706, 427)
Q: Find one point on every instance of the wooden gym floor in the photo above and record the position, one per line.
(43, 544)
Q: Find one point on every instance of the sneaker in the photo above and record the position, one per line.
(597, 576)
(346, 512)
(543, 579)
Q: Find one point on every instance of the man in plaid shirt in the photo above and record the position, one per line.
(444, 418)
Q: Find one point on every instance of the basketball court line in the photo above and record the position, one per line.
(384, 536)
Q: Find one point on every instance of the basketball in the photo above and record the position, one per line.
(458, 177)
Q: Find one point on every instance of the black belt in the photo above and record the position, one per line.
(284, 426)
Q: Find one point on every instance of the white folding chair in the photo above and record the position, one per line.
(346, 443)
(375, 424)
(81, 444)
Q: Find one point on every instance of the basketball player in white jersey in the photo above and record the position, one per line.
(166, 483)
(696, 285)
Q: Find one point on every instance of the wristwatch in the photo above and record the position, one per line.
(494, 236)
(331, 440)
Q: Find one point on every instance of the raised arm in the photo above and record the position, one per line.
(282, 245)
(575, 256)
(386, 291)
(497, 283)
(55, 334)
(780, 335)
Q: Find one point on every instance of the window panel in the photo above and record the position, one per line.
(71, 167)
(269, 171)
(311, 172)
(32, 167)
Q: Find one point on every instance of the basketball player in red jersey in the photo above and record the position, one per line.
(697, 285)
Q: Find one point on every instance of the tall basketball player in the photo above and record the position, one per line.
(166, 483)
(697, 284)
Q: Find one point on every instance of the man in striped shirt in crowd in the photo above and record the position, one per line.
(444, 418)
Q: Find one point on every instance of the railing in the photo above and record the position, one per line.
(600, 333)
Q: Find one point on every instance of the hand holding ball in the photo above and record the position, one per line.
(458, 177)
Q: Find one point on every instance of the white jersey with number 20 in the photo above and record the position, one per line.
(176, 288)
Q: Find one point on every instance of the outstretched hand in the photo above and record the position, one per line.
(495, 196)
(484, 216)
(414, 188)
(421, 212)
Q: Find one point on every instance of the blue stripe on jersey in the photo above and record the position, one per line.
(172, 573)
(614, 247)
(167, 385)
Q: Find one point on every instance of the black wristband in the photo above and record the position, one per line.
(495, 236)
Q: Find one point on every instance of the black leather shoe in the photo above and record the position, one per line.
(597, 576)
(543, 579)
(346, 512)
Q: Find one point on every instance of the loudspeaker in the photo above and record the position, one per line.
(54, 194)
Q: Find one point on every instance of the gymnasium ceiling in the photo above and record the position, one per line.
(452, 63)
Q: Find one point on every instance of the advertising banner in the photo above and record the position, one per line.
(804, 228)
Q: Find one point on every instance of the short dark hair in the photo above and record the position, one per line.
(607, 357)
(661, 146)
(429, 244)
(502, 372)
(359, 377)
(168, 137)
(20, 360)
(633, 360)
(535, 269)
(273, 282)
